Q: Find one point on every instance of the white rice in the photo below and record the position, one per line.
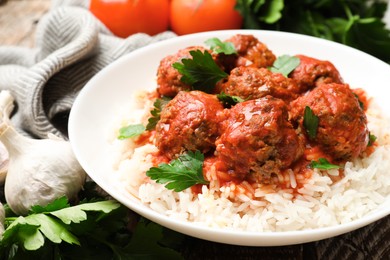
(319, 203)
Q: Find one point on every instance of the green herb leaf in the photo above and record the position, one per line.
(131, 131)
(229, 101)
(323, 164)
(285, 64)
(369, 35)
(30, 231)
(201, 72)
(217, 46)
(361, 104)
(57, 204)
(76, 214)
(101, 236)
(371, 140)
(147, 242)
(259, 12)
(355, 23)
(159, 105)
(310, 122)
(180, 173)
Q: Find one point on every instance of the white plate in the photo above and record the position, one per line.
(111, 89)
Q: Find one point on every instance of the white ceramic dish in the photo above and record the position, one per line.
(111, 89)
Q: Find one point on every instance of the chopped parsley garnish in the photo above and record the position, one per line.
(159, 104)
(218, 46)
(323, 164)
(229, 101)
(310, 122)
(285, 64)
(131, 131)
(371, 140)
(361, 104)
(201, 72)
(181, 173)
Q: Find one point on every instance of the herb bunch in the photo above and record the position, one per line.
(95, 228)
(357, 23)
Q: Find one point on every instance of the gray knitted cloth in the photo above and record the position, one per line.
(71, 47)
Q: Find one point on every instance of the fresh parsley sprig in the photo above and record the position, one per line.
(201, 72)
(30, 231)
(181, 173)
(357, 23)
(310, 122)
(135, 130)
(91, 230)
(228, 100)
(371, 140)
(218, 46)
(285, 64)
(323, 164)
(158, 106)
(131, 131)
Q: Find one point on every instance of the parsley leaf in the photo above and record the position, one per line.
(310, 122)
(158, 104)
(218, 46)
(30, 231)
(323, 164)
(229, 101)
(259, 12)
(57, 204)
(201, 72)
(357, 23)
(371, 140)
(131, 131)
(148, 239)
(180, 173)
(361, 104)
(285, 64)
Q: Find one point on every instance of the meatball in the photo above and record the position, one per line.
(250, 52)
(342, 129)
(258, 140)
(312, 72)
(168, 78)
(190, 121)
(253, 83)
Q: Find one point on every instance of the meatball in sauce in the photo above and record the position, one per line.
(258, 140)
(342, 130)
(189, 122)
(250, 53)
(312, 72)
(168, 78)
(253, 83)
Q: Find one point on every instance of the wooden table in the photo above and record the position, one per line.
(18, 19)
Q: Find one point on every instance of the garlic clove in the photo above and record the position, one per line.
(4, 160)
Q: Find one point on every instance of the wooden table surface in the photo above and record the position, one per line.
(18, 19)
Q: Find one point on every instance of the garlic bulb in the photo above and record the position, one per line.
(39, 171)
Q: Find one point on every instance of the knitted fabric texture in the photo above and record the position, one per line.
(71, 46)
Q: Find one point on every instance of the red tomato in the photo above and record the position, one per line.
(126, 17)
(190, 16)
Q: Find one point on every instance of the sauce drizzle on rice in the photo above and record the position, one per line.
(258, 153)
